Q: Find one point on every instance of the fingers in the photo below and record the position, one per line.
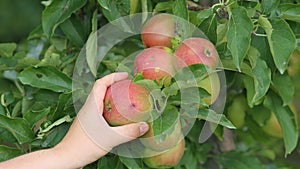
(131, 131)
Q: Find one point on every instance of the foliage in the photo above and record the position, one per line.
(254, 39)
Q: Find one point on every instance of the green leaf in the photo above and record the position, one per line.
(238, 36)
(163, 6)
(262, 80)
(131, 162)
(286, 119)
(18, 127)
(268, 5)
(284, 86)
(281, 39)
(7, 49)
(166, 121)
(180, 9)
(235, 160)
(113, 9)
(249, 85)
(110, 161)
(57, 12)
(212, 116)
(244, 67)
(204, 15)
(34, 116)
(73, 30)
(91, 52)
(46, 78)
(290, 12)
(8, 153)
(209, 27)
(55, 135)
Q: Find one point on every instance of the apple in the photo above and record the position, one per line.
(196, 50)
(167, 159)
(153, 142)
(211, 84)
(237, 111)
(155, 63)
(158, 31)
(272, 126)
(294, 63)
(126, 102)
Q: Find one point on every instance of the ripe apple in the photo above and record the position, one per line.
(212, 85)
(167, 159)
(158, 31)
(272, 126)
(196, 50)
(126, 102)
(155, 63)
(151, 142)
(237, 111)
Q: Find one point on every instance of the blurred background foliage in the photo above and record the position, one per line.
(18, 18)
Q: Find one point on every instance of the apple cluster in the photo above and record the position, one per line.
(127, 102)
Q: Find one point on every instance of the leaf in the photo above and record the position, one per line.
(46, 78)
(164, 123)
(286, 119)
(212, 116)
(55, 135)
(284, 86)
(281, 39)
(7, 49)
(163, 6)
(235, 160)
(132, 163)
(249, 85)
(290, 12)
(113, 9)
(73, 30)
(57, 12)
(34, 116)
(204, 15)
(18, 127)
(209, 27)
(268, 5)
(180, 9)
(262, 75)
(110, 161)
(8, 153)
(244, 68)
(238, 36)
(92, 52)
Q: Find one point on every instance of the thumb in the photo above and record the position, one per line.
(131, 131)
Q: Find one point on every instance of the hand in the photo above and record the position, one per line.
(88, 139)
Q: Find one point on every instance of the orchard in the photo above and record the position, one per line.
(218, 82)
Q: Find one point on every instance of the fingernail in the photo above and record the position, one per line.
(144, 127)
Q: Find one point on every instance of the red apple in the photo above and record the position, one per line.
(158, 31)
(167, 159)
(126, 102)
(196, 50)
(155, 63)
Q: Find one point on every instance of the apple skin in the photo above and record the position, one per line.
(126, 102)
(196, 50)
(150, 142)
(294, 63)
(212, 85)
(158, 31)
(155, 63)
(167, 159)
(237, 111)
(272, 126)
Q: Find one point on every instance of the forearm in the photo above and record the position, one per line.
(44, 159)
